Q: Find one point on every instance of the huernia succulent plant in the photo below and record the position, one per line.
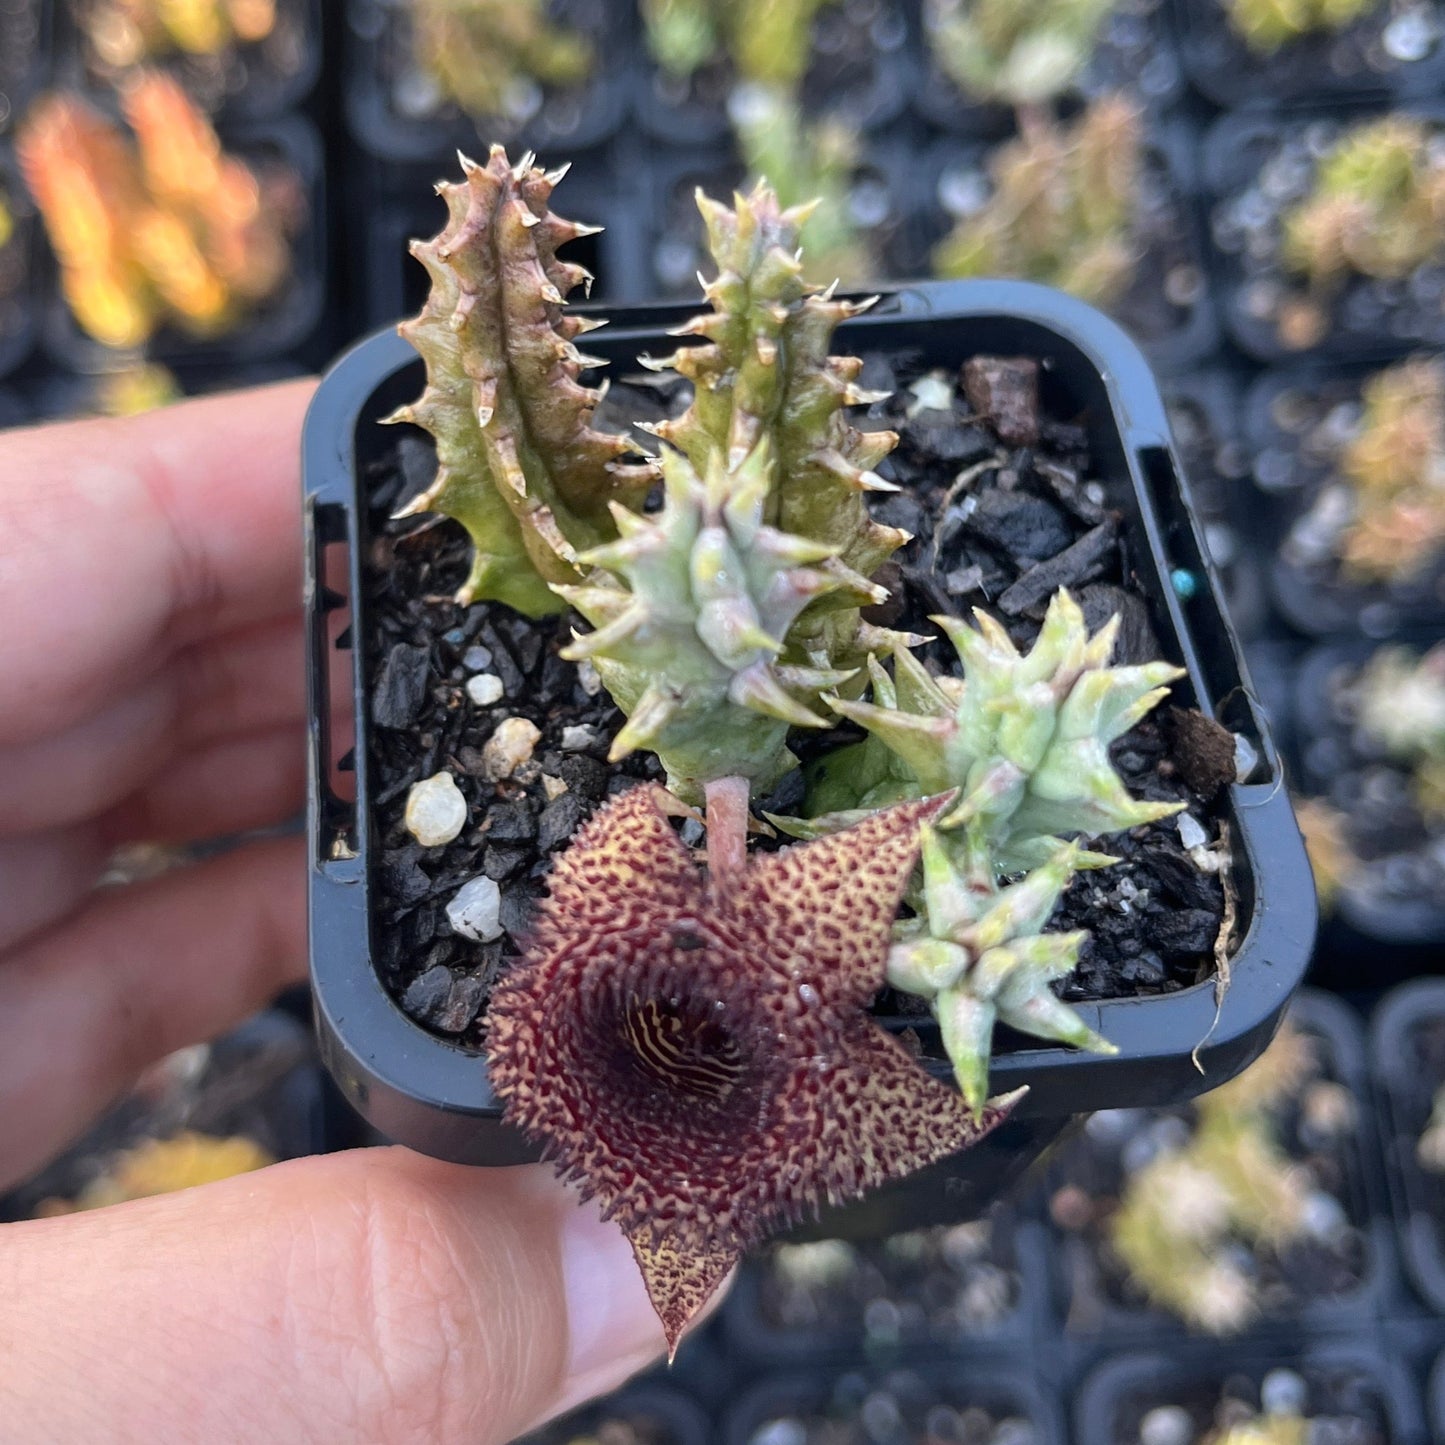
(682, 35)
(486, 54)
(763, 370)
(126, 32)
(519, 464)
(1062, 206)
(170, 229)
(1383, 516)
(1019, 54)
(767, 40)
(690, 647)
(1377, 207)
(695, 1049)
(1267, 25)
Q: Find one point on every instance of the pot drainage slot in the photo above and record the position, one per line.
(334, 664)
(1194, 585)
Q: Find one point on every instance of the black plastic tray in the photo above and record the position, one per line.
(1235, 150)
(26, 51)
(16, 340)
(1311, 70)
(436, 1097)
(1107, 1404)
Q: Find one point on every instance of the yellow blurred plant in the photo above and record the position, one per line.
(1231, 1182)
(483, 53)
(1266, 25)
(128, 32)
(1331, 860)
(1062, 206)
(1400, 705)
(768, 41)
(165, 228)
(162, 1166)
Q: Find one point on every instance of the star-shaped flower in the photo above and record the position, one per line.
(697, 1052)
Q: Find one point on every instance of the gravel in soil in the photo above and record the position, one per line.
(943, 1283)
(900, 1408)
(1341, 1404)
(1365, 315)
(1316, 1127)
(1025, 520)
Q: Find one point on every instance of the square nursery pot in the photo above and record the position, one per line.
(433, 1093)
(1394, 904)
(1340, 1278)
(1407, 1057)
(996, 1401)
(1368, 1396)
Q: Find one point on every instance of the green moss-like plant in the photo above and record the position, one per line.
(1018, 52)
(1062, 207)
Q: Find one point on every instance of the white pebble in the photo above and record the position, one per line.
(579, 738)
(1191, 833)
(485, 688)
(589, 677)
(435, 810)
(475, 910)
(508, 748)
(553, 787)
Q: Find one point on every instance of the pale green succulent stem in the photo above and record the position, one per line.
(727, 827)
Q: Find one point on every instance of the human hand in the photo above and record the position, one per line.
(151, 657)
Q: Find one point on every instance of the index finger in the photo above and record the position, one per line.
(121, 539)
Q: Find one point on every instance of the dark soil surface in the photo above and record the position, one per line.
(1341, 1402)
(1029, 522)
(1401, 853)
(1168, 279)
(901, 1407)
(1319, 1129)
(945, 1283)
(1363, 316)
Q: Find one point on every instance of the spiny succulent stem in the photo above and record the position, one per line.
(727, 827)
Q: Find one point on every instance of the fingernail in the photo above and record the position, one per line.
(610, 1319)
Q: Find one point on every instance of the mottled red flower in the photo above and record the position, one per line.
(698, 1054)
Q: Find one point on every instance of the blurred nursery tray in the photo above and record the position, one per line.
(992, 1403)
(1166, 308)
(397, 114)
(25, 55)
(1337, 1274)
(1351, 1393)
(426, 1088)
(645, 1413)
(860, 70)
(955, 1286)
(1134, 52)
(1257, 163)
(1297, 423)
(1396, 894)
(286, 153)
(1396, 50)
(261, 1082)
(13, 412)
(1407, 1056)
(241, 81)
(19, 259)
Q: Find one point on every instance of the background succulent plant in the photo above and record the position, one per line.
(1062, 206)
(767, 40)
(126, 32)
(518, 463)
(1267, 25)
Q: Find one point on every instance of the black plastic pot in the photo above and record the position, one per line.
(1345, 1379)
(1407, 1058)
(1316, 68)
(1285, 418)
(25, 56)
(1405, 927)
(1368, 321)
(282, 324)
(657, 1414)
(261, 1080)
(1174, 338)
(910, 1317)
(378, 59)
(890, 1407)
(244, 82)
(12, 411)
(869, 90)
(1096, 1317)
(435, 1096)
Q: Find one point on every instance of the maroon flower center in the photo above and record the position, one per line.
(676, 1045)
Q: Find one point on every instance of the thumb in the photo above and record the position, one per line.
(375, 1296)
